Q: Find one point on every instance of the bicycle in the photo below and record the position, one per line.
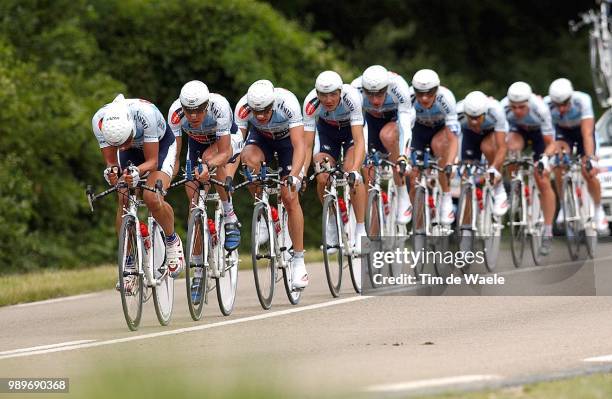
(149, 268)
(205, 237)
(577, 204)
(382, 205)
(338, 210)
(476, 221)
(271, 250)
(526, 214)
(600, 49)
(428, 231)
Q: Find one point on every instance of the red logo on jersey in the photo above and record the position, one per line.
(312, 106)
(176, 118)
(100, 124)
(244, 112)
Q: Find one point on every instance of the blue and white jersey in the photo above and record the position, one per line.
(286, 114)
(538, 118)
(218, 121)
(581, 107)
(348, 112)
(150, 123)
(442, 113)
(495, 118)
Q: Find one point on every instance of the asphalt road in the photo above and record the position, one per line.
(354, 345)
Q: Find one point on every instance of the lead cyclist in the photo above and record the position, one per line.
(133, 130)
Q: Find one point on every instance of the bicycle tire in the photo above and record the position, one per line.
(128, 245)
(465, 241)
(263, 257)
(163, 294)
(572, 230)
(285, 242)
(374, 229)
(419, 232)
(537, 215)
(227, 282)
(354, 261)
(517, 228)
(196, 227)
(491, 239)
(333, 262)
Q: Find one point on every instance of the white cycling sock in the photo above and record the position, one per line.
(360, 229)
(402, 195)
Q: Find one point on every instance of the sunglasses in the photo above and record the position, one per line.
(195, 110)
(430, 92)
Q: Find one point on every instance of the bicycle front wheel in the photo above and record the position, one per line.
(571, 223)
(196, 252)
(332, 246)
(374, 227)
(537, 224)
(163, 294)
(464, 235)
(131, 284)
(517, 224)
(491, 236)
(286, 248)
(262, 255)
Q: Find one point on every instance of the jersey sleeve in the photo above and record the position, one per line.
(175, 116)
(449, 105)
(291, 108)
(311, 105)
(242, 113)
(546, 119)
(587, 106)
(223, 113)
(501, 123)
(353, 100)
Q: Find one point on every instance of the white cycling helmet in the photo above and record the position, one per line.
(193, 94)
(375, 78)
(260, 95)
(475, 104)
(519, 92)
(560, 90)
(425, 80)
(328, 81)
(117, 124)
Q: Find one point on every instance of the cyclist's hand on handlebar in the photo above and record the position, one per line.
(356, 177)
(496, 174)
(593, 170)
(131, 175)
(294, 183)
(544, 163)
(110, 175)
(403, 168)
(202, 173)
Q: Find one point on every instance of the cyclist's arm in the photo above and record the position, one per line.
(177, 163)
(110, 156)
(308, 137)
(549, 142)
(502, 149)
(586, 127)
(359, 147)
(151, 151)
(224, 152)
(296, 134)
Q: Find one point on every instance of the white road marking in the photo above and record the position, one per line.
(48, 301)
(431, 383)
(186, 329)
(42, 347)
(605, 358)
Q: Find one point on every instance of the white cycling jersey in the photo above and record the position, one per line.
(495, 118)
(218, 121)
(150, 123)
(396, 100)
(581, 107)
(348, 112)
(538, 117)
(442, 113)
(286, 115)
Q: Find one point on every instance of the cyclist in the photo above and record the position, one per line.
(388, 116)
(333, 119)
(133, 130)
(530, 120)
(206, 118)
(435, 126)
(574, 122)
(483, 131)
(273, 120)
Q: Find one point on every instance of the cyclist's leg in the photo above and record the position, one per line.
(136, 157)
(444, 145)
(544, 185)
(325, 147)
(421, 138)
(358, 194)
(516, 143)
(562, 145)
(254, 153)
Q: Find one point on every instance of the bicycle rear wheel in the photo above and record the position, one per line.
(163, 294)
(419, 230)
(537, 224)
(517, 226)
(131, 284)
(227, 262)
(333, 261)
(374, 226)
(286, 247)
(354, 261)
(262, 255)
(492, 237)
(571, 223)
(464, 234)
(198, 239)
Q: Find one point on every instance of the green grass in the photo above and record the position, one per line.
(596, 386)
(47, 284)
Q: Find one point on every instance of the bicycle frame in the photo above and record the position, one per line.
(429, 182)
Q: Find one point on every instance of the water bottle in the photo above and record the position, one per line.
(144, 232)
(385, 200)
(213, 232)
(343, 210)
(277, 226)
